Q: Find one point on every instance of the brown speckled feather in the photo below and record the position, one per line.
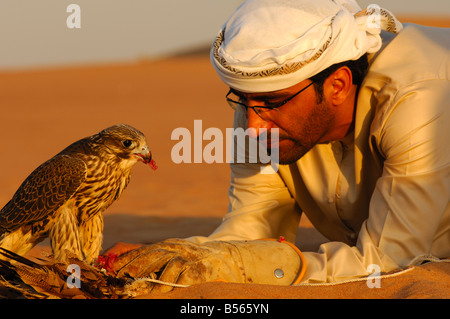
(45, 190)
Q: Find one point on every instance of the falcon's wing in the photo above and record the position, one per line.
(46, 189)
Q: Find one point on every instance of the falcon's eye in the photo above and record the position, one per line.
(127, 143)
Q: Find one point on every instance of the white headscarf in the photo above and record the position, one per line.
(269, 45)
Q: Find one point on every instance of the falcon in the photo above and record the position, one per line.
(64, 198)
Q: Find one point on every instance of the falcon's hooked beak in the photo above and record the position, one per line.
(145, 156)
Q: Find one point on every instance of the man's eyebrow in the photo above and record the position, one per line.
(237, 93)
(263, 96)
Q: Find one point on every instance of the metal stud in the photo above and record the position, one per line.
(279, 273)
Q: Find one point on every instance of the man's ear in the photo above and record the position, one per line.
(339, 86)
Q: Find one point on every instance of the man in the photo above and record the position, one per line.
(363, 145)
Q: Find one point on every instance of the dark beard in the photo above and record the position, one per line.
(293, 154)
(289, 156)
(298, 150)
(294, 151)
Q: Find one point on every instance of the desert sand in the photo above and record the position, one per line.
(44, 110)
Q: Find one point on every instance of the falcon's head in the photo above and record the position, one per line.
(127, 143)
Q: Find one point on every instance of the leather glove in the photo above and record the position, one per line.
(182, 262)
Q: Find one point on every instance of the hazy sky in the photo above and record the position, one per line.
(34, 33)
(412, 7)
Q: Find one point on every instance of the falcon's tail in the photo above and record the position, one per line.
(16, 242)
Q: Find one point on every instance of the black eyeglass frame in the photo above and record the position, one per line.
(272, 107)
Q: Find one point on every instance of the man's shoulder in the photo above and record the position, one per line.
(407, 84)
(417, 53)
(414, 64)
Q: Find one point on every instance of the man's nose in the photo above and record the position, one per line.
(257, 123)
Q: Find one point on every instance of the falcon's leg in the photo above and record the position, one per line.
(91, 234)
(64, 235)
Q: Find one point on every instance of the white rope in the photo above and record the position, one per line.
(156, 281)
(355, 279)
(423, 258)
(135, 288)
(415, 262)
(301, 284)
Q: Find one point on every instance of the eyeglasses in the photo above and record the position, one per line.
(264, 111)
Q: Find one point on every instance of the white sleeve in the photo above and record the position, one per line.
(260, 205)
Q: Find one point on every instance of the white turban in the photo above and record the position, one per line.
(269, 45)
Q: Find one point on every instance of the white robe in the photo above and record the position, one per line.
(381, 195)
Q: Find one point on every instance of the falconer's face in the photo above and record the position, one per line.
(302, 118)
(302, 121)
